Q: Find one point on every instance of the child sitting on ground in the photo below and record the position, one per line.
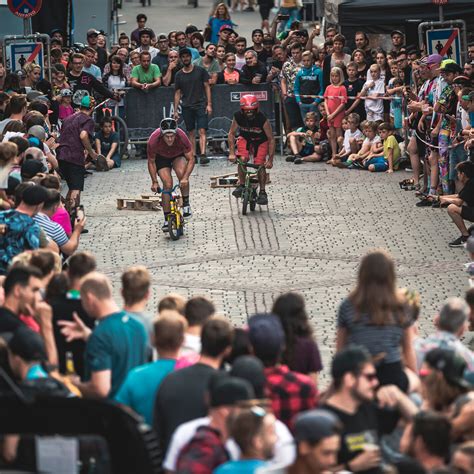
(353, 139)
(304, 142)
(106, 144)
(391, 152)
(371, 146)
(323, 123)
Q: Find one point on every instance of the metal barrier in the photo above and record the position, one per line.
(144, 110)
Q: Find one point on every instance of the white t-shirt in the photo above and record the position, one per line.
(191, 345)
(348, 135)
(376, 139)
(153, 51)
(239, 63)
(285, 451)
(375, 105)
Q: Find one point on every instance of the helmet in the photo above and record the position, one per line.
(168, 125)
(249, 102)
(66, 93)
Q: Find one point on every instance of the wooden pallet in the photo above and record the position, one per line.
(147, 203)
(228, 180)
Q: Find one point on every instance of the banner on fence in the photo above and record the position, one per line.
(144, 110)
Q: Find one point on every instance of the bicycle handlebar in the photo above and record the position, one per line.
(175, 187)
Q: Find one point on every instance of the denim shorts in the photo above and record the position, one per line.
(195, 118)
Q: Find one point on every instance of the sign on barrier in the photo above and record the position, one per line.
(22, 54)
(144, 110)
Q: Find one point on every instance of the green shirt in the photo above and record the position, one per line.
(146, 77)
(211, 69)
(391, 143)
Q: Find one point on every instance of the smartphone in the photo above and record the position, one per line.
(80, 212)
(283, 17)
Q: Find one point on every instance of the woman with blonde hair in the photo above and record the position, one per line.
(219, 18)
(33, 76)
(376, 317)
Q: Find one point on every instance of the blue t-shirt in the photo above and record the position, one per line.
(118, 343)
(140, 387)
(245, 466)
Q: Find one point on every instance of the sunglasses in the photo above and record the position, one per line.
(259, 412)
(370, 377)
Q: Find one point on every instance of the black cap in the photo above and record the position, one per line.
(250, 368)
(396, 32)
(145, 31)
(452, 67)
(314, 425)
(28, 345)
(350, 359)
(35, 195)
(266, 335)
(450, 364)
(184, 51)
(228, 390)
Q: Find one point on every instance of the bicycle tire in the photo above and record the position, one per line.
(122, 130)
(245, 201)
(253, 200)
(173, 229)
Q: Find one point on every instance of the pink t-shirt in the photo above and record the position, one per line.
(61, 217)
(335, 96)
(65, 111)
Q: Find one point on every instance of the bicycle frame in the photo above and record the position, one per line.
(250, 170)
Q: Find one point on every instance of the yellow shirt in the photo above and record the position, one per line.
(391, 143)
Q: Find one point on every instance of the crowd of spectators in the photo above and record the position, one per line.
(248, 400)
(242, 400)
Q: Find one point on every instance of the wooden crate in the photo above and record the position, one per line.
(139, 204)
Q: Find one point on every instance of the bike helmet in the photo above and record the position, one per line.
(168, 125)
(66, 93)
(248, 102)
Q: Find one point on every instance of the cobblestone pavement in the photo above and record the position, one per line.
(318, 224)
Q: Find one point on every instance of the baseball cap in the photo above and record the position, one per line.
(32, 95)
(434, 59)
(314, 425)
(184, 51)
(350, 359)
(450, 364)
(92, 32)
(37, 131)
(145, 31)
(396, 32)
(451, 67)
(27, 344)
(192, 29)
(228, 390)
(266, 335)
(226, 28)
(250, 368)
(87, 102)
(461, 80)
(162, 36)
(34, 195)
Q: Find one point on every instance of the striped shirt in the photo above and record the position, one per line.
(52, 229)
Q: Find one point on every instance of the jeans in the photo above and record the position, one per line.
(293, 112)
(294, 15)
(305, 108)
(379, 162)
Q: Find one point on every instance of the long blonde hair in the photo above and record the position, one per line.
(337, 70)
(226, 14)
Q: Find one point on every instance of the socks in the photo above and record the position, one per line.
(185, 200)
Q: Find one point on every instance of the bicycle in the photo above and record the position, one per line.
(249, 193)
(175, 217)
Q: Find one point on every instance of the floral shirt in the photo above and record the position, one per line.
(289, 71)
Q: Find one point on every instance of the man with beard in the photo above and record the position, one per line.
(256, 137)
(365, 410)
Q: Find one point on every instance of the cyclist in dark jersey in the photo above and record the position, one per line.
(166, 148)
(256, 138)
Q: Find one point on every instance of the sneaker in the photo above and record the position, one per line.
(237, 192)
(84, 231)
(424, 203)
(203, 160)
(187, 211)
(262, 199)
(459, 242)
(298, 160)
(165, 226)
(290, 158)
(249, 9)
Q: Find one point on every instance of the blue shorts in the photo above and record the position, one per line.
(195, 118)
(307, 150)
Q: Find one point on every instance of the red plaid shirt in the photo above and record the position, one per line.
(203, 453)
(290, 393)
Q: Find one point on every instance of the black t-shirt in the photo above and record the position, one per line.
(88, 82)
(353, 88)
(363, 427)
(63, 308)
(251, 130)
(161, 60)
(102, 58)
(191, 85)
(467, 193)
(181, 398)
(9, 322)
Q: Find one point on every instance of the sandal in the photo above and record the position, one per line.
(406, 182)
